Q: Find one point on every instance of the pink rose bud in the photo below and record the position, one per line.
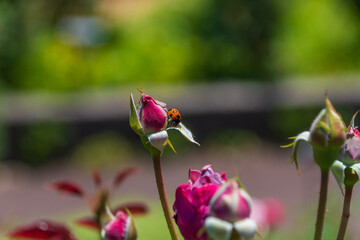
(192, 200)
(230, 203)
(230, 214)
(153, 114)
(121, 227)
(149, 119)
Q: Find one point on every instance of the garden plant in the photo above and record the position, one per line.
(210, 205)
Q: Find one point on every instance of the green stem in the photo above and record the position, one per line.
(322, 204)
(346, 212)
(163, 198)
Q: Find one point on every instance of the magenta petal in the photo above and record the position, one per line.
(153, 115)
(194, 175)
(43, 230)
(116, 228)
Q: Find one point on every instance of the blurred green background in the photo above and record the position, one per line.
(61, 60)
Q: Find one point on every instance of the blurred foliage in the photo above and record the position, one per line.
(176, 41)
(315, 37)
(199, 40)
(231, 140)
(42, 141)
(290, 122)
(102, 150)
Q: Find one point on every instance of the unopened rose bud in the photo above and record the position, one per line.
(230, 214)
(230, 203)
(328, 129)
(192, 200)
(121, 227)
(327, 136)
(149, 119)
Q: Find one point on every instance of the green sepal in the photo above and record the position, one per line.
(218, 229)
(134, 118)
(246, 228)
(338, 171)
(147, 145)
(304, 136)
(185, 132)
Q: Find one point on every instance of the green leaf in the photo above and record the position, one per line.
(218, 229)
(185, 132)
(134, 118)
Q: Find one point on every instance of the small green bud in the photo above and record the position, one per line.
(327, 135)
(351, 177)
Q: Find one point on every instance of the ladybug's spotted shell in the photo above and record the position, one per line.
(174, 114)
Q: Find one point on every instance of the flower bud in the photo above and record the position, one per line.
(351, 177)
(328, 129)
(327, 136)
(230, 214)
(149, 119)
(192, 200)
(230, 203)
(121, 227)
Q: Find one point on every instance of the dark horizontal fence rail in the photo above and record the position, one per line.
(222, 97)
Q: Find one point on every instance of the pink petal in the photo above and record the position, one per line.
(153, 115)
(194, 175)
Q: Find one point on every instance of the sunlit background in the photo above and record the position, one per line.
(245, 74)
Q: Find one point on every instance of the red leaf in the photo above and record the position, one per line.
(96, 177)
(134, 208)
(67, 187)
(43, 230)
(88, 222)
(122, 175)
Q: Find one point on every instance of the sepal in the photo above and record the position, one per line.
(304, 136)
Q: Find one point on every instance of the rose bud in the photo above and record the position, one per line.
(120, 227)
(347, 168)
(149, 119)
(230, 214)
(192, 200)
(327, 135)
(230, 203)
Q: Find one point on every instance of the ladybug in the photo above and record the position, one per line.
(174, 116)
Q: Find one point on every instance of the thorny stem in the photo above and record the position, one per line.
(163, 198)
(322, 204)
(346, 212)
